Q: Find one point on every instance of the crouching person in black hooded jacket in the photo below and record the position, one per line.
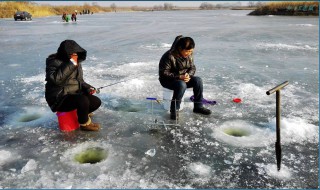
(65, 88)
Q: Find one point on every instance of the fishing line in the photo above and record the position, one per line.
(98, 89)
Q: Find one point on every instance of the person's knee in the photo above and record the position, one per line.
(197, 81)
(98, 102)
(83, 101)
(181, 86)
(179, 90)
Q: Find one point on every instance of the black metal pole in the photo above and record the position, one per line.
(278, 114)
(279, 87)
(278, 110)
(278, 142)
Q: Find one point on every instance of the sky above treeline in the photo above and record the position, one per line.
(142, 3)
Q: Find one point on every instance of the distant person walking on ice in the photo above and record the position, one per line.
(74, 17)
(177, 73)
(66, 89)
(64, 17)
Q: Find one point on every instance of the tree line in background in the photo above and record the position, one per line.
(8, 8)
(205, 6)
(210, 6)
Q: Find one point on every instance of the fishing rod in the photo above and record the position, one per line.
(98, 89)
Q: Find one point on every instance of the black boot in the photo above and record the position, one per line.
(202, 110)
(174, 115)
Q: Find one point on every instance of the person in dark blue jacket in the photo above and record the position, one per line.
(177, 73)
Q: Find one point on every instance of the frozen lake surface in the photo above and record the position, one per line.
(237, 56)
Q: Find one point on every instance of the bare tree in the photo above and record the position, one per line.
(158, 8)
(259, 4)
(219, 6)
(238, 4)
(206, 6)
(251, 4)
(113, 7)
(135, 8)
(168, 6)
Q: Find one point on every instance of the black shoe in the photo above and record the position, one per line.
(202, 110)
(174, 115)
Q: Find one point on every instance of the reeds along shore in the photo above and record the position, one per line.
(9, 8)
(309, 8)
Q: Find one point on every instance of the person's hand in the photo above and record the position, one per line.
(92, 90)
(185, 77)
(74, 56)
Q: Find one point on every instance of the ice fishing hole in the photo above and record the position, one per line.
(236, 132)
(29, 117)
(91, 155)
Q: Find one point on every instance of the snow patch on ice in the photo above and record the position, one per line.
(4, 156)
(281, 46)
(30, 166)
(271, 170)
(37, 78)
(200, 168)
(154, 46)
(303, 25)
(296, 130)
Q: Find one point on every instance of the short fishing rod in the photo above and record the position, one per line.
(98, 89)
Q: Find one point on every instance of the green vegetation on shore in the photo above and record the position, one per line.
(298, 8)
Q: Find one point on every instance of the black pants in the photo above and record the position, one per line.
(179, 87)
(84, 104)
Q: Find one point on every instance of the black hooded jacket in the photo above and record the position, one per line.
(172, 65)
(62, 76)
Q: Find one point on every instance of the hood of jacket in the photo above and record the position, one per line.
(68, 47)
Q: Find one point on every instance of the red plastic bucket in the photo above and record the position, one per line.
(68, 121)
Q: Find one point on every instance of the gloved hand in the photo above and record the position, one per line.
(74, 56)
(92, 90)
